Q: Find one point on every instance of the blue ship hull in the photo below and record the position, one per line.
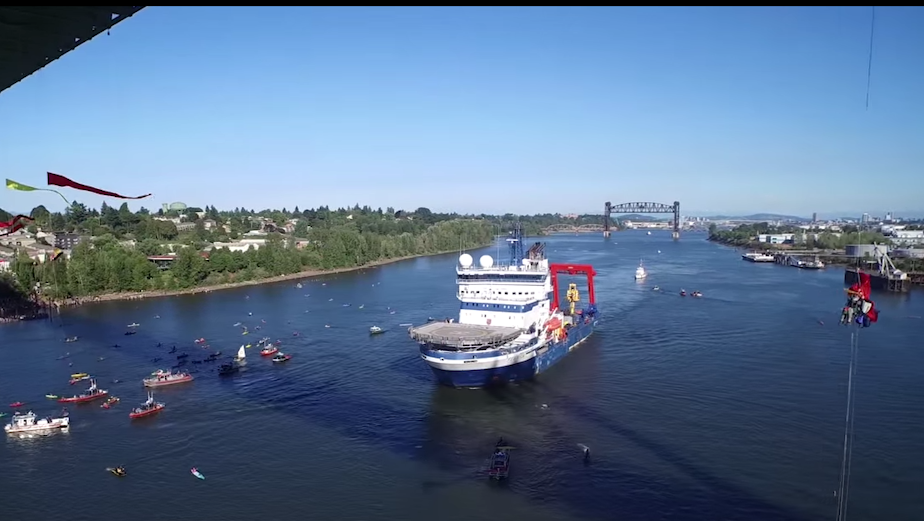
(547, 356)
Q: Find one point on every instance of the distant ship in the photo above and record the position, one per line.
(510, 325)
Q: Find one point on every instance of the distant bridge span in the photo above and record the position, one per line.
(629, 208)
(570, 228)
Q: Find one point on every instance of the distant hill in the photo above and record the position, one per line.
(760, 217)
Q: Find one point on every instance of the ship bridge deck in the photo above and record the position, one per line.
(455, 336)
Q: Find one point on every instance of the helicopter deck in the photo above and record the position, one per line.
(454, 336)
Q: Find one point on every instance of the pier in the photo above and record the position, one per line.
(882, 281)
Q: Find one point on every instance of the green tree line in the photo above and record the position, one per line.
(746, 235)
(106, 266)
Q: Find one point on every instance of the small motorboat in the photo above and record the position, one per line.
(17, 404)
(500, 461)
(195, 472)
(696, 294)
(281, 358)
(117, 471)
(228, 369)
(148, 408)
(110, 402)
(133, 324)
(683, 293)
(269, 350)
(70, 339)
(656, 288)
(376, 330)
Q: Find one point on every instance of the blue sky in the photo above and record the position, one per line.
(483, 110)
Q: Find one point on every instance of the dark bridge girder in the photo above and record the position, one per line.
(33, 37)
(627, 208)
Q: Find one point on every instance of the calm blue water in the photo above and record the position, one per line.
(725, 407)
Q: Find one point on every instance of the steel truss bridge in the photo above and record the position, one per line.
(570, 228)
(640, 208)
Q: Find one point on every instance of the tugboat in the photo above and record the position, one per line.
(281, 358)
(228, 369)
(163, 378)
(500, 461)
(92, 393)
(148, 408)
(27, 423)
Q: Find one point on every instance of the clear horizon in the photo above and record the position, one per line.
(482, 110)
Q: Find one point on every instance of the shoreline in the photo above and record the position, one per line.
(306, 274)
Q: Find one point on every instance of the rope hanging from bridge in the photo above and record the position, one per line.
(843, 490)
(869, 63)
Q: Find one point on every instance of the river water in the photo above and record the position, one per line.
(729, 407)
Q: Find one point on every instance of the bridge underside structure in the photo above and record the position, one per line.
(639, 208)
(584, 228)
(33, 37)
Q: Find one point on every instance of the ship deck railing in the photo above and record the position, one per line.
(464, 336)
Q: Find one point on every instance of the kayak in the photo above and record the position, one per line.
(51, 396)
(195, 472)
(79, 375)
(115, 472)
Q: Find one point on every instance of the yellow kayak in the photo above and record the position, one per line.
(248, 346)
(79, 375)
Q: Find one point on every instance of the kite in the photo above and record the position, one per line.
(13, 185)
(60, 180)
(859, 308)
(14, 225)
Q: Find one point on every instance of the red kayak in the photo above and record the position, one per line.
(17, 404)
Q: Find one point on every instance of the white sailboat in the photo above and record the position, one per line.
(640, 272)
(241, 357)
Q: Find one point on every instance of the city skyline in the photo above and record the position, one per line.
(483, 110)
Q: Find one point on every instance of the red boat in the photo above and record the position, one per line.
(92, 393)
(110, 402)
(148, 408)
(17, 404)
(269, 351)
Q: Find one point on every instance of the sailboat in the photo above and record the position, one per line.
(241, 357)
(640, 272)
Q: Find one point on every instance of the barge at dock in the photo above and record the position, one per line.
(510, 325)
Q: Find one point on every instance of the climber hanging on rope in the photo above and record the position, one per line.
(859, 308)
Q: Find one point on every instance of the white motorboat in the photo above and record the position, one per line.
(29, 423)
(640, 272)
(375, 330)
